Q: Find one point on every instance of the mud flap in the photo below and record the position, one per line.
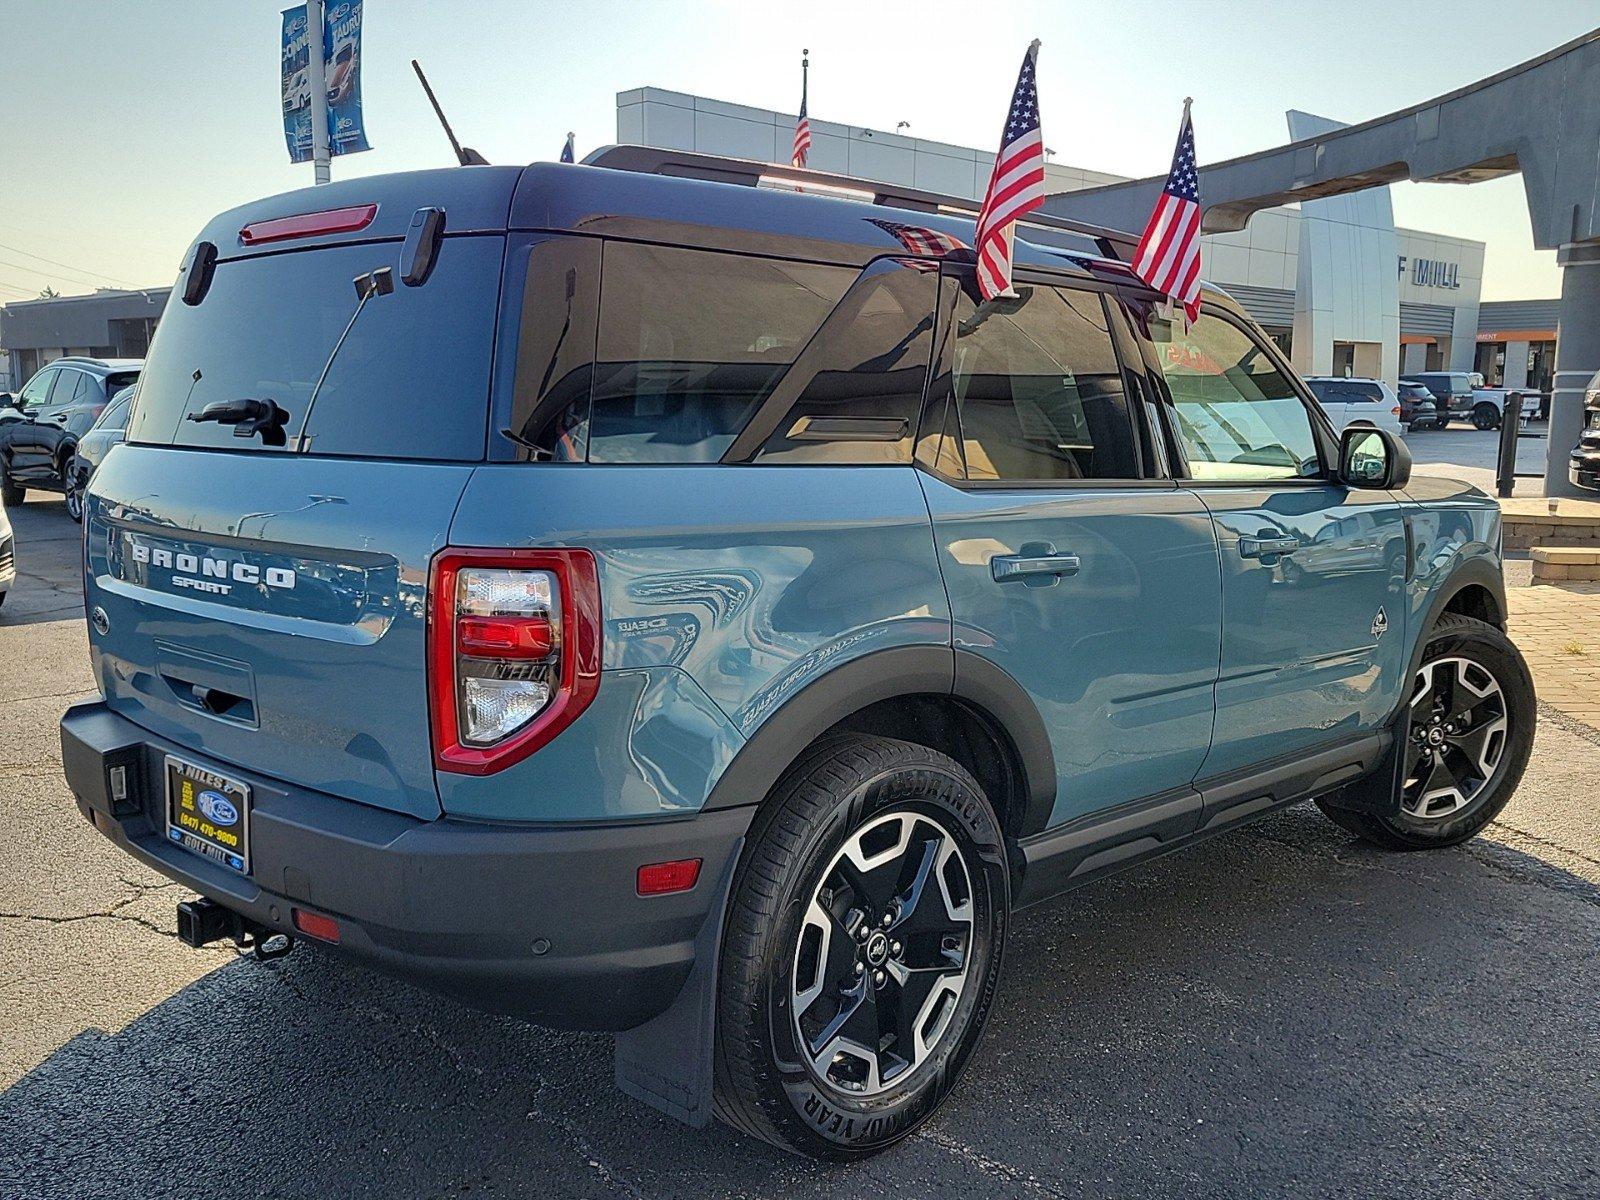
(669, 1061)
(1378, 791)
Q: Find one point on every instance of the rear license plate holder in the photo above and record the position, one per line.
(208, 814)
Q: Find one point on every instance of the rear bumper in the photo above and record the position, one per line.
(542, 922)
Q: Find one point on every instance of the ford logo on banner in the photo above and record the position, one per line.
(219, 810)
(341, 56)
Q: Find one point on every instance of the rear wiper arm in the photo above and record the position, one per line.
(248, 416)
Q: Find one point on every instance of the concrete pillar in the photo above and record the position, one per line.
(1369, 360)
(1516, 375)
(1577, 359)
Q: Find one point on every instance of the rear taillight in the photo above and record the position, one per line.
(513, 652)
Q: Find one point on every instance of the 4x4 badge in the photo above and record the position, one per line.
(1380, 624)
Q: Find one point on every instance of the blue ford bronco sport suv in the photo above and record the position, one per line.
(658, 601)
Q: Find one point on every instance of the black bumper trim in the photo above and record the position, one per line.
(541, 922)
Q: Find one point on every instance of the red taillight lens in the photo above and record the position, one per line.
(330, 220)
(663, 878)
(505, 637)
(324, 929)
(514, 652)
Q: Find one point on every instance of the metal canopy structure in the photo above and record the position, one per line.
(1540, 118)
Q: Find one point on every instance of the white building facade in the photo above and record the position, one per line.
(1333, 281)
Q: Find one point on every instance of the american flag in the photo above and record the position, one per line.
(802, 127)
(1168, 257)
(566, 151)
(919, 239)
(1017, 185)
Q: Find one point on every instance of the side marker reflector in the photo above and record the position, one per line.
(660, 879)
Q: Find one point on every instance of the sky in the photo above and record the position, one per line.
(126, 126)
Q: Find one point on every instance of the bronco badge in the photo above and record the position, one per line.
(1380, 624)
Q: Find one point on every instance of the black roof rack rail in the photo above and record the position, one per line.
(651, 160)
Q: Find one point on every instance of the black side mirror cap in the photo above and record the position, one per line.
(1373, 458)
(198, 271)
(421, 251)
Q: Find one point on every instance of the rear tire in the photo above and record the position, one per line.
(1472, 723)
(1485, 416)
(72, 486)
(11, 494)
(874, 883)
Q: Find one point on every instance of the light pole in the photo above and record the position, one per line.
(317, 73)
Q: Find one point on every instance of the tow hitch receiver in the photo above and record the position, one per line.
(203, 921)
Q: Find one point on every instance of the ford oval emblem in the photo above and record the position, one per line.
(219, 810)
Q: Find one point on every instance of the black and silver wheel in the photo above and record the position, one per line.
(1472, 714)
(1485, 416)
(862, 950)
(72, 483)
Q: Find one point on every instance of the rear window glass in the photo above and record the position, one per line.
(691, 342)
(411, 380)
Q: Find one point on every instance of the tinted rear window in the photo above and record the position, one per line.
(691, 342)
(411, 381)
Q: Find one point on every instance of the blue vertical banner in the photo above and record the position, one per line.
(341, 42)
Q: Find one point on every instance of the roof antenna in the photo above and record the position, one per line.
(465, 155)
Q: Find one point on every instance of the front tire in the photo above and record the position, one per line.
(1473, 713)
(863, 947)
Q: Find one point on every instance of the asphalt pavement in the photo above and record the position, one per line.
(1280, 1011)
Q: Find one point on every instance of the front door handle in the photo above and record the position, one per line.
(1267, 544)
(1034, 569)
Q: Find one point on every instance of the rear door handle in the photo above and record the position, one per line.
(1035, 570)
(1267, 544)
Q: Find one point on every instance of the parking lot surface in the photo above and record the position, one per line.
(1280, 1011)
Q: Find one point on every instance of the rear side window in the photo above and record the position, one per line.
(1238, 417)
(858, 383)
(691, 342)
(1038, 389)
(411, 380)
(1362, 393)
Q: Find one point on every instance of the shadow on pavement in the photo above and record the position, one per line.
(1280, 1012)
(49, 551)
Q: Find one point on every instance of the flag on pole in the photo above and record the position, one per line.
(802, 127)
(1017, 185)
(1168, 257)
(566, 151)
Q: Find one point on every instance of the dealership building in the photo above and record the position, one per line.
(1333, 281)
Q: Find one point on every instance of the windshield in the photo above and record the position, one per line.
(411, 381)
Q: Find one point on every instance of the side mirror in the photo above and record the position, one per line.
(1373, 458)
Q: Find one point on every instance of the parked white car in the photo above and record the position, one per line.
(1357, 402)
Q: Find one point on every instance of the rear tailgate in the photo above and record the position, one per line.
(261, 598)
(287, 639)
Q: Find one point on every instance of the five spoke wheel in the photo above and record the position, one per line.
(882, 955)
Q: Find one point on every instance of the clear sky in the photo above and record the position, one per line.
(127, 124)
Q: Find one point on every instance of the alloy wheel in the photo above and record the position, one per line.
(881, 961)
(1459, 728)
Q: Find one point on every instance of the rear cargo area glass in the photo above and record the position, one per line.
(411, 381)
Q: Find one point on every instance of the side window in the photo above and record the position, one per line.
(691, 342)
(85, 390)
(1362, 393)
(1238, 417)
(37, 393)
(858, 383)
(555, 349)
(1038, 389)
